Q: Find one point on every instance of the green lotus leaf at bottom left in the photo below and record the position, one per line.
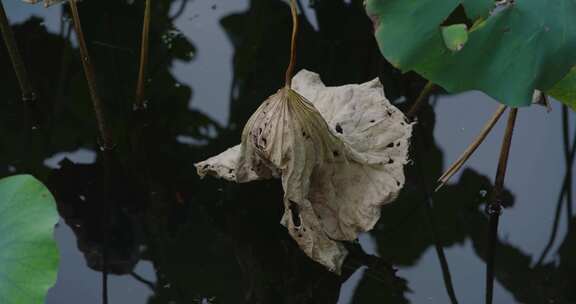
(28, 252)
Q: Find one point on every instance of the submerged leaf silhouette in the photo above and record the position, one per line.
(340, 158)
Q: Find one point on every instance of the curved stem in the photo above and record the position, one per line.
(290, 69)
(423, 94)
(494, 208)
(142, 280)
(17, 62)
(139, 102)
(471, 148)
(569, 154)
(91, 78)
(180, 10)
(429, 208)
(555, 223)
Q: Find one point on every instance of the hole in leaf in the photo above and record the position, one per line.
(339, 128)
(295, 214)
(455, 29)
(458, 16)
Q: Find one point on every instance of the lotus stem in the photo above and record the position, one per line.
(106, 143)
(494, 208)
(139, 102)
(142, 280)
(104, 277)
(420, 99)
(429, 208)
(566, 190)
(505, 151)
(290, 69)
(28, 93)
(569, 161)
(455, 167)
(556, 221)
(446, 275)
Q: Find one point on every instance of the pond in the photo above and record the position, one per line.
(139, 226)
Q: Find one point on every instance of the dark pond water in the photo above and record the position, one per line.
(139, 222)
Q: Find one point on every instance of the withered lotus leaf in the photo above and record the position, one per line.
(339, 151)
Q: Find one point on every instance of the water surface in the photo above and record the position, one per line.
(140, 222)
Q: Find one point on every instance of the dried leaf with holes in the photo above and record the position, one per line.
(340, 158)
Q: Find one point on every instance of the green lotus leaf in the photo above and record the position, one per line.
(513, 47)
(565, 90)
(28, 252)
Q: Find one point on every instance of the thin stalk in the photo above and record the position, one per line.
(567, 152)
(28, 93)
(455, 167)
(420, 99)
(490, 259)
(570, 153)
(104, 278)
(180, 10)
(139, 102)
(429, 208)
(444, 266)
(505, 151)
(555, 223)
(91, 78)
(494, 208)
(142, 280)
(290, 69)
(107, 219)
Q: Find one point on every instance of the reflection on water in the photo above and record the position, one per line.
(140, 221)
